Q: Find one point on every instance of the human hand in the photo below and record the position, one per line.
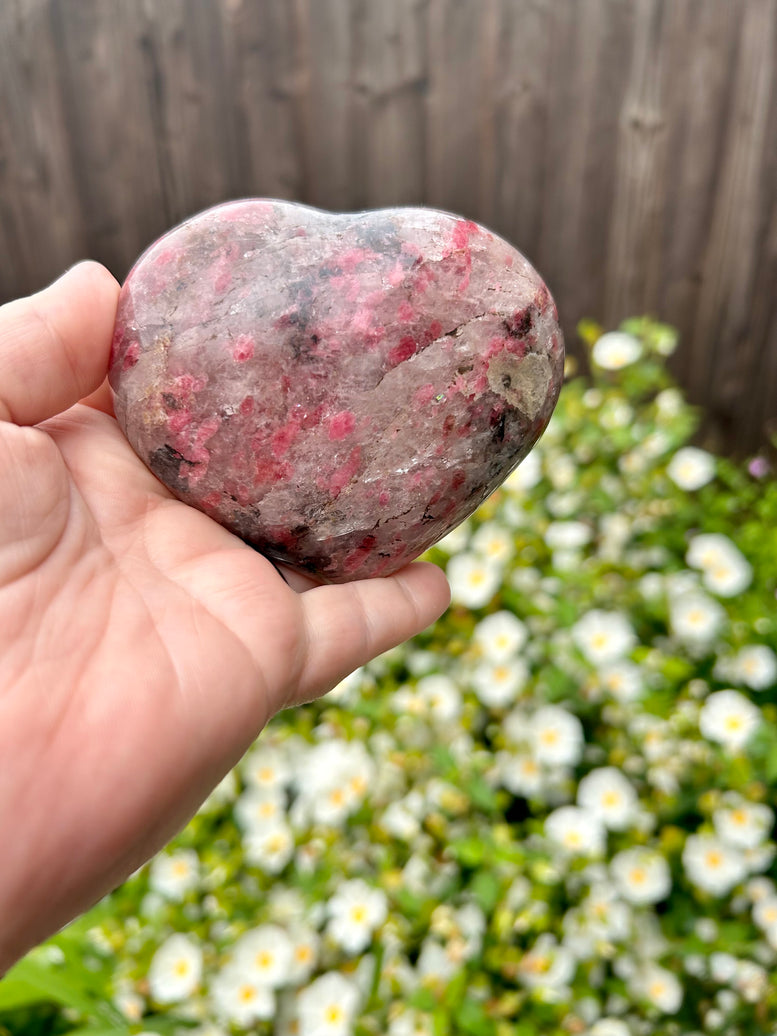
(142, 646)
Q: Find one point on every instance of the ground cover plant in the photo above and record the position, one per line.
(552, 813)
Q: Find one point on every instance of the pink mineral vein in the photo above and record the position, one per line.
(338, 390)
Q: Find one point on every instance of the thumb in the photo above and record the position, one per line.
(54, 346)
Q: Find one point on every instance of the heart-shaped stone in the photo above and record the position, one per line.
(339, 390)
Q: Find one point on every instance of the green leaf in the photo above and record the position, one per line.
(16, 993)
(31, 981)
(472, 1019)
(482, 795)
(486, 889)
(121, 1030)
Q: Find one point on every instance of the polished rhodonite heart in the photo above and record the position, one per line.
(339, 390)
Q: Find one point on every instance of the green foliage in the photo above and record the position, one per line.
(432, 785)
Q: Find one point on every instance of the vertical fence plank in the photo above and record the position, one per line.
(40, 232)
(332, 105)
(723, 325)
(391, 73)
(640, 187)
(521, 115)
(455, 103)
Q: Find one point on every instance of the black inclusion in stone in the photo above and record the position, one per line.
(166, 463)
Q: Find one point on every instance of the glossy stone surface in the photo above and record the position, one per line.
(338, 390)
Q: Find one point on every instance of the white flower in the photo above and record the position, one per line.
(328, 1006)
(567, 535)
(175, 970)
(332, 780)
(695, 618)
(456, 540)
(760, 857)
(729, 718)
(562, 473)
(615, 350)
(608, 795)
(765, 913)
(712, 865)
(305, 946)
(723, 967)
(224, 792)
(411, 1022)
(609, 1027)
(470, 925)
(239, 997)
(497, 684)
(174, 874)
(547, 965)
(743, 824)
(131, 1004)
(265, 953)
(575, 830)
(266, 766)
(270, 848)
(614, 533)
(260, 808)
(347, 689)
(355, 912)
(494, 542)
(691, 468)
(660, 987)
(641, 875)
(760, 888)
(751, 981)
(434, 964)
(473, 579)
(606, 916)
(521, 774)
(527, 474)
(441, 697)
(500, 636)
(604, 637)
(756, 667)
(623, 680)
(670, 402)
(555, 736)
(401, 818)
(725, 570)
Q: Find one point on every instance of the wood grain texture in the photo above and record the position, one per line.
(628, 147)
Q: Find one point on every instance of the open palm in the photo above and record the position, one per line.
(142, 646)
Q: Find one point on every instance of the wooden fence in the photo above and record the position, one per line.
(628, 147)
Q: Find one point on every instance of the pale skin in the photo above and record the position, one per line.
(142, 647)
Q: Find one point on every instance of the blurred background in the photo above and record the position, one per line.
(628, 147)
